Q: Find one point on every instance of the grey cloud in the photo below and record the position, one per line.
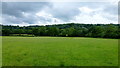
(119, 8)
(16, 9)
(10, 19)
(65, 15)
(112, 9)
(64, 11)
(67, 11)
(44, 20)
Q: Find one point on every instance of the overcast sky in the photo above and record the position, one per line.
(46, 13)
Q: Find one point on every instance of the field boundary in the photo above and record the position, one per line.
(60, 67)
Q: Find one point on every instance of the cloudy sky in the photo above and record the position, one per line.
(47, 13)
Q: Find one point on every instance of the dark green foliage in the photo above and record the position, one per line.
(111, 31)
(6, 32)
(52, 31)
(97, 31)
(70, 30)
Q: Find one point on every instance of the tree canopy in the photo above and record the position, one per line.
(65, 30)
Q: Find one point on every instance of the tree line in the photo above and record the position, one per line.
(65, 30)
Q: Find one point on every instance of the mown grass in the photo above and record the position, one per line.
(59, 51)
(0, 51)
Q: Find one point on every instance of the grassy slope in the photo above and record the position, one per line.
(59, 51)
(0, 51)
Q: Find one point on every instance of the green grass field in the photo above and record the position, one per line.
(59, 51)
(0, 51)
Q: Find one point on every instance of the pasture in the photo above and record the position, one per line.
(59, 51)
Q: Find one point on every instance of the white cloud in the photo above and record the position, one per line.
(94, 16)
(25, 14)
(59, 13)
(22, 24)
(59, 0)
(43, 14)
(86, 9)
